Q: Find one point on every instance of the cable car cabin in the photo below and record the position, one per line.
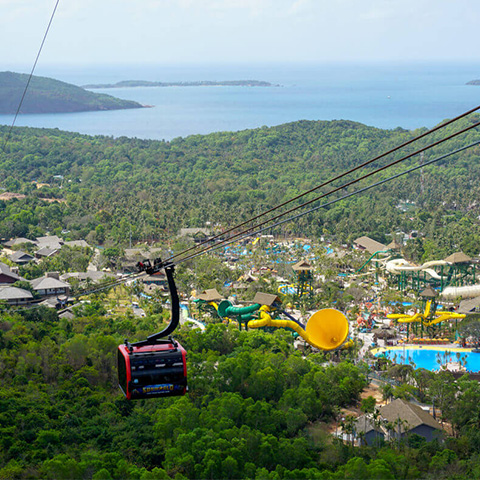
(150, 371)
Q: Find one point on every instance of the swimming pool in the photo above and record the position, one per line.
(427, 356)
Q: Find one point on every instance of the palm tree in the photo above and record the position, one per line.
(387, 392)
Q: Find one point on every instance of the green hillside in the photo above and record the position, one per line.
(46, 95)
(152, 189)
(257, 408)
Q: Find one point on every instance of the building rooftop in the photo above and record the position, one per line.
(15, 293)
(266, 299)
(370, 245)
(467, 306)
(458, 257)
(50, 241)
(94, 276)
(210, 295)
(185, 232)
(47, 251)
(302, 265)
(5, 270)
(20, 256)
(406, 411)
(77, 243)
(17, 241)
(47, 283)
(365, 424)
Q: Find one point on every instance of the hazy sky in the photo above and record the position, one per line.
(214, 31)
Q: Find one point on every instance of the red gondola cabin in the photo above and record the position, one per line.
(150, 371)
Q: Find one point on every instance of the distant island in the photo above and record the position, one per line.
(473, 82)
(202, 83)
(46, 95)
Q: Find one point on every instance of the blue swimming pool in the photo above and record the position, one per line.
(424, 357)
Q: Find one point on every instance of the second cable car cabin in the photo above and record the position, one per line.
(155, 367)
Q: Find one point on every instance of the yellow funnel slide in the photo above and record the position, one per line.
(326, 329)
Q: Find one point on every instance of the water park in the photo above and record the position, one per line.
(422, 326)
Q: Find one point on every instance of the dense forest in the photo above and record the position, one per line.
(256, 408)
(46, 95)
(111, 187)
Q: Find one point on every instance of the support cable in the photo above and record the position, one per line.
(29, 78)
(348, 195)
(378, 157)
(341, 187)
(135, 276)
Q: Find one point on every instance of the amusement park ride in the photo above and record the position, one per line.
(429, 318)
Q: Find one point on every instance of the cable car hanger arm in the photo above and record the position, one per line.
(169, 267)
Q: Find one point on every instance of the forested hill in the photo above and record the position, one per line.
(46, 95)
(152, 188)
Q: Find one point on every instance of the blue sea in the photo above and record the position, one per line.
(381, 95)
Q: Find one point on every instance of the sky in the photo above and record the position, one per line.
(238, 31)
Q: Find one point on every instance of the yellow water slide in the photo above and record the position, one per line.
(417, 317)
(326, 329)
(422, 316)
(445, 316)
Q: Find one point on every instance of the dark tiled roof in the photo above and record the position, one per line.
(46, 251)
(21, 256)
(365, 425)
(466, 306)
(194, 231)
(14, 293)
(77, 243)
(17, 241)
(45, 283)
(5, 270)
(94, 276)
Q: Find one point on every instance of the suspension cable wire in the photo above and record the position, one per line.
(344, 197)
(7, 138)
(117, 282)
(395, 162)
(368, 162)
(248, 231)
(136, 275)
(84, 292)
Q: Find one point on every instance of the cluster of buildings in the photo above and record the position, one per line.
(41, 247)
(51, 288)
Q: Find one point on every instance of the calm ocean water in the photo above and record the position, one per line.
(385, 96)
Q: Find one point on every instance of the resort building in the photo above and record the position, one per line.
(15, 296)
(368, 432)
(7, 275)
(407, 418)
(50, 285)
